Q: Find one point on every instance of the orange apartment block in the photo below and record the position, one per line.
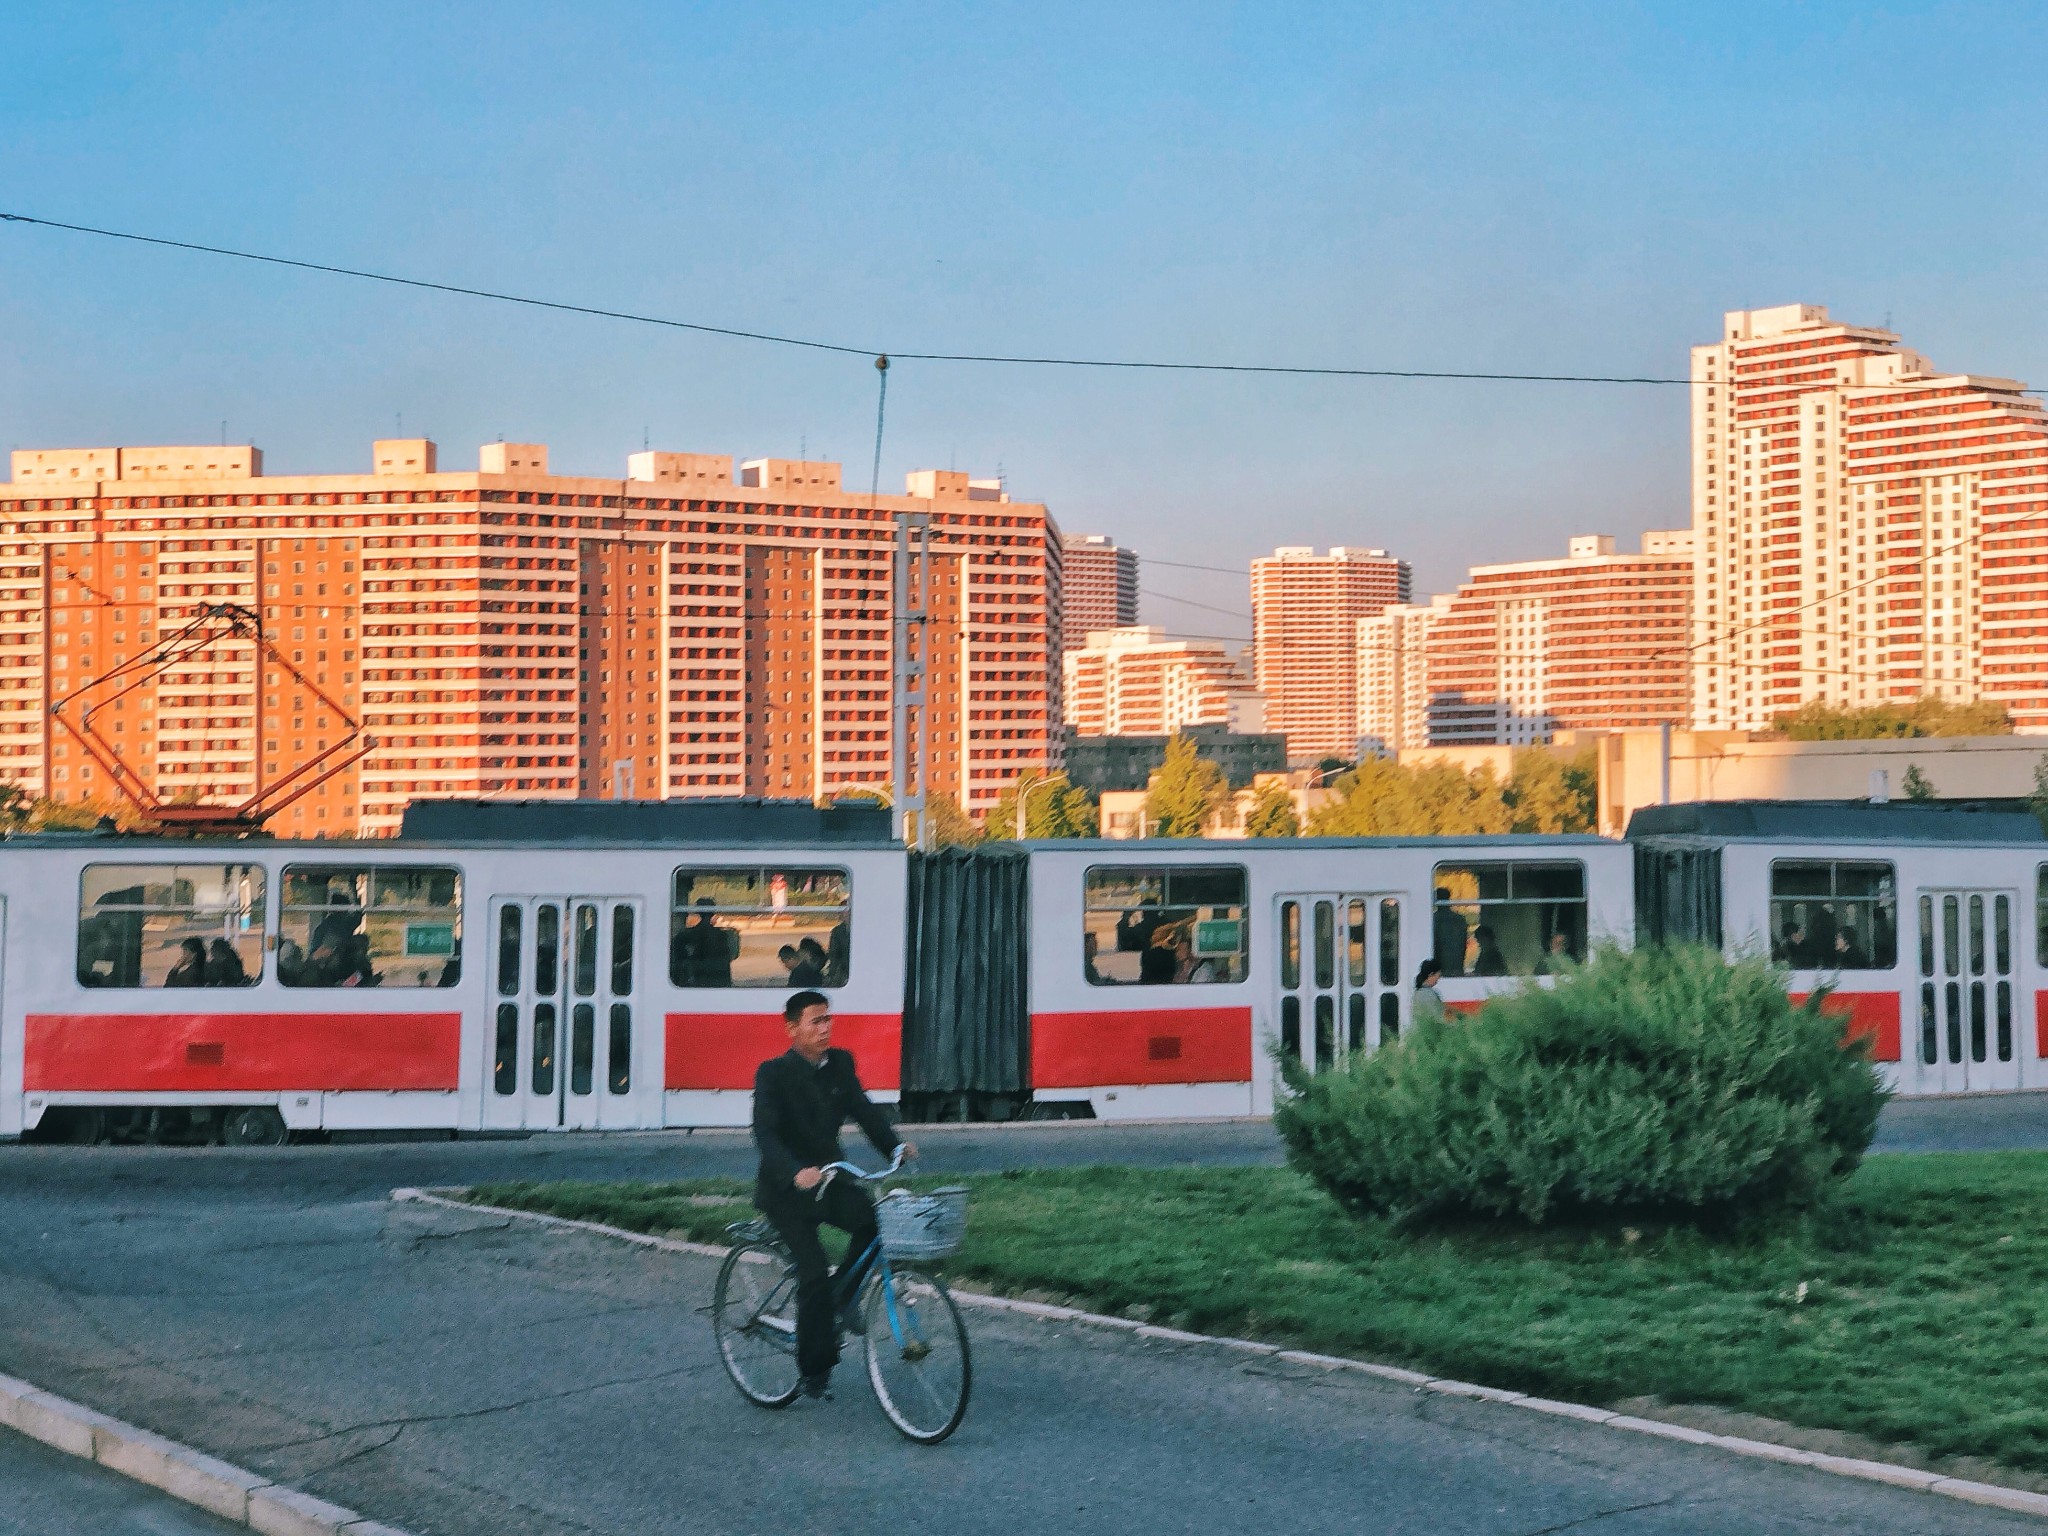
(1100, 587)
(1595, 641)
(1305, 613)
(1868, 527)
(1137, 682)
(508, 631)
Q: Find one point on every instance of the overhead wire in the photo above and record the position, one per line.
(815, 344)
(335, 269)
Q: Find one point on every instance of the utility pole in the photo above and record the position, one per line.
(910, 739)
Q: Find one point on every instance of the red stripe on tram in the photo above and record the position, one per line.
(241, 1052)
(721, 1050)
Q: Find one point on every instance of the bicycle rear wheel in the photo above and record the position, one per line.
(918, 1361)
(753, 1317)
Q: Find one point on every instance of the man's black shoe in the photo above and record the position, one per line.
(819, 1387)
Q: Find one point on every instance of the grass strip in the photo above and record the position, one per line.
(1911, 1311)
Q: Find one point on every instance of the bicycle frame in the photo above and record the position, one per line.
(872, 1265)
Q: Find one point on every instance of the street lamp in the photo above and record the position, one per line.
(1026, 782)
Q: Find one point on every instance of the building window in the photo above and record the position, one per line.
(1507, 919)
(1154, 926)
(1833, 915)
(758, 927)
(355, 926)
(170, 925)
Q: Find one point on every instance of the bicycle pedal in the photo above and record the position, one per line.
(916, 1350)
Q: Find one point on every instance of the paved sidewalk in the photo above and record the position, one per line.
(462, 1375)
(47, 1493)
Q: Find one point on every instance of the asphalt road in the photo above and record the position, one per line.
(46, 1493)
(456, 1375)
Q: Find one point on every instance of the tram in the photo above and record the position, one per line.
(518, 967)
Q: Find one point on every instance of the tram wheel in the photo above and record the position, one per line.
(76, 1127)
(256, 1126)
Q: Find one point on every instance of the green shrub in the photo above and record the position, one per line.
(1664, 1082)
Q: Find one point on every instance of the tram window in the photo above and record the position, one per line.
(1834, 915)
(390, 925)
(2041, 915)
(170, 925)
(1508, 919)
(1169, 926)
(754, 927)
(508, 949)
(622, 950)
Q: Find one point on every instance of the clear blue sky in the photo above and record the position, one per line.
(1540, 187)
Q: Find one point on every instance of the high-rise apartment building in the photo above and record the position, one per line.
(1393, 677)
(1305, 613)
(1595, 641)
(512, 631)
(1136, 682)
(1099, 586)
(1867, 527)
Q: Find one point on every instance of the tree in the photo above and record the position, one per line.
(1917, 785)
(1381, 798)
(20, 812)
(951, 826)
(1548, 793)
(1460, 804)
(1272, 813)
(1928, 715)
(1053, 807)
(1185, 792)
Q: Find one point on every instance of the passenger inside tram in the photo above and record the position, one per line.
(803, 969)
(703, 951)
(1487, 959)
(1176, 926)
(224, 967)
(1157, 965)
(190, 971)
(1450, 932)
(1510, 918)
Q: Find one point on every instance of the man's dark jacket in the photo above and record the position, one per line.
(798, 1110)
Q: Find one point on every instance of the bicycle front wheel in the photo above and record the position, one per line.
(753, 1317)
(918, 1362)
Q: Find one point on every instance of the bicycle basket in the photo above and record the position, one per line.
(922, 1226)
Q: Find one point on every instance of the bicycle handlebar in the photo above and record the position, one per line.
(832, 1170)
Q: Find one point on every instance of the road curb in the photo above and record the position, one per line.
(188, 1475)
(1992, 1495)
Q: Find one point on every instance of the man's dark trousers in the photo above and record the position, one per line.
(819, 1294)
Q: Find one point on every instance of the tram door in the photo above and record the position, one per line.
(1968, 1023)
(1340, 975)
(563, 979)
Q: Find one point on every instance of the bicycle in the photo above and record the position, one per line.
(918, 1362)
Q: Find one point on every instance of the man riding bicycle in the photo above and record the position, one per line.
(801, 1099)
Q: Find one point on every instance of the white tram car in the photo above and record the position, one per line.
(1928, 923)
(515, 967)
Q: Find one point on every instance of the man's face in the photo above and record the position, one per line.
(810, 1034)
